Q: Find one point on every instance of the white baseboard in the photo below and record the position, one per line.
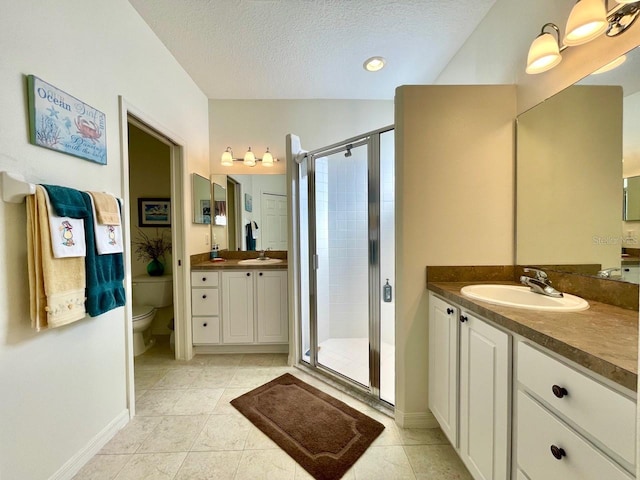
(75, 463)
(415, 420)
(268, 348)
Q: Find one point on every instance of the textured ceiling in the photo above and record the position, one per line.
(301, 49)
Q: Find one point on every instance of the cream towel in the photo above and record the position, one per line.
(56, 285)
(108, 237)
(106, 207)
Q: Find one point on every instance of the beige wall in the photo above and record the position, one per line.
(569, 179)
(63, 389)
(265, 123)
(454, 178)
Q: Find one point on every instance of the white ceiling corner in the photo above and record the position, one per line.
(305, 49)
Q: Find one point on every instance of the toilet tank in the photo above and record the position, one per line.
(154, 291)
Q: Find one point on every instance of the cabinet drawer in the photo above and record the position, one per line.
(206, 330)
(539, 430)
(204, 301)
(204, 279)
(601, 412)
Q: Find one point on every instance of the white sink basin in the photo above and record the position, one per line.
(523, 297)
(257, 261)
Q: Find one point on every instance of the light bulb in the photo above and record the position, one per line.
(587, 21)
(267, 159)
(249, 158)
(227, 158)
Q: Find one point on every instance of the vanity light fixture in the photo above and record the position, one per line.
(249, 158)
(374, 64)
(544, 53)
(588, 20)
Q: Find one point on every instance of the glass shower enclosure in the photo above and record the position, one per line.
(347, 261)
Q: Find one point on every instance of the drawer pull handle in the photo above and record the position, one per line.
(204, 279)
(463, 318)
(204, 296)
(558, 452)
(204, 324)
(559, 391)
(449, 311)
(260, 273)
(248, 274)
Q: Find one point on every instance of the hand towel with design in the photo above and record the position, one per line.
(108, 237)
(56, 285)
(67, 234)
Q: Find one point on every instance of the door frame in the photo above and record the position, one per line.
(181, 307)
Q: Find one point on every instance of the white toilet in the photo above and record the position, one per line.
(149, 294)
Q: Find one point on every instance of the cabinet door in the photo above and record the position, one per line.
(484, 398)
(443, 366)
(237, 307)
(272, 308)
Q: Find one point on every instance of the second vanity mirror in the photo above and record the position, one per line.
(219, 205)
(573, 152)
(201, 199)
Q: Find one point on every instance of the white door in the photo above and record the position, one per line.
(274, 221)
(443, 366)
(237, 307)
(484, 399)
(272, 310)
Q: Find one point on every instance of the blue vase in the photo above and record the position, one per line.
(155, 268)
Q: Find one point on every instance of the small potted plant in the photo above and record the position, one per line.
(152, 250)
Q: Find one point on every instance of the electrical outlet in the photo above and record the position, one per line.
(206, 239)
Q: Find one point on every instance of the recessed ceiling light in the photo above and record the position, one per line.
(374, 64)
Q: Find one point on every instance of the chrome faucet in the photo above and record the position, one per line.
(606, 273)
(540, 284)
(261, 255)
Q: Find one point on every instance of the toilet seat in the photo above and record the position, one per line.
(140, 312)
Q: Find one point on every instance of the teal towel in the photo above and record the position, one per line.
(105, 273)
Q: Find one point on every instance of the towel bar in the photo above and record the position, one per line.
(15, 188)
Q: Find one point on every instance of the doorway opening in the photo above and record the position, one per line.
(136, 130)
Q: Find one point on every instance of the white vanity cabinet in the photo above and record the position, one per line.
(254, 307)
(569, 424)
(443, 365)
(469, 387)
(205, 307)
(237, 307)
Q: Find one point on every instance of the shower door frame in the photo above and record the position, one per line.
(372, 141)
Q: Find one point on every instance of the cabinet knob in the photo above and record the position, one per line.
(260, 273)
(248, 274)
(558, 452)
(559, 391)
(204, 279)
(450, 311)
(463, 318)
(204, 296)
(204, 324)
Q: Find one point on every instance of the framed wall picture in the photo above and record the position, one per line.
(154, 212)
(63, 123)
(248, 202)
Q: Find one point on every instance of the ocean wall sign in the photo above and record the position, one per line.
(63, 123)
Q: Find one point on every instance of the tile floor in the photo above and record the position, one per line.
(185, 429)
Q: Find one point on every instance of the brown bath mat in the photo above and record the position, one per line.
(324, 435)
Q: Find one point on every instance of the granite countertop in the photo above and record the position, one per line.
(233, 264)
(603, 338)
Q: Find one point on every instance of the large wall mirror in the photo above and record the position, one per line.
(574, 152)
(257, 212)
(201, 199)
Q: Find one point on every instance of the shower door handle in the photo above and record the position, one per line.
(315, 262)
